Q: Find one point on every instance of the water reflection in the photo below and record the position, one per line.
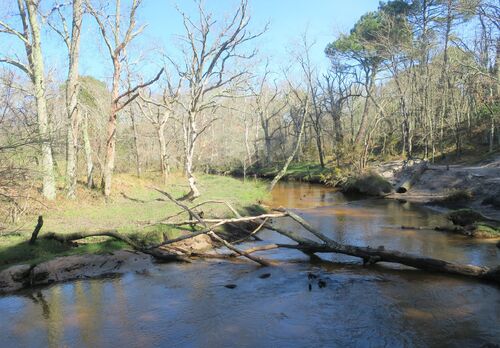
(179, 305)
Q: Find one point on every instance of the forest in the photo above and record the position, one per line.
(206, 147)
(402, 83)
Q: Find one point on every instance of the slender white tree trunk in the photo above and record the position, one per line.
(163, 150)
(49, 186)
(88, 153)
(72, 89)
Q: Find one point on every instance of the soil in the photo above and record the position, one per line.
(482, 180)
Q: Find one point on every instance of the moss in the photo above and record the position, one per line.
(336, 177)
(465, 217)
(482, 230)
(370, 184)
(456, 197)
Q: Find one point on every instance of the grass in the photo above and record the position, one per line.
(482, 230)
(91, 212)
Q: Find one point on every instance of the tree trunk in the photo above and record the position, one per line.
(88, 152)
(190, 136)
(36, 60)
(408, 182)
(163, 150)
(72, 88)
(109, 162)
(267, 140)
(370, 83)
(283, 170)
(136, 143)
(319, 145)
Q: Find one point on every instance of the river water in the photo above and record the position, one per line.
(188, 305)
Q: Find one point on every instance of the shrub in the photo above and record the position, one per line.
(370, 184)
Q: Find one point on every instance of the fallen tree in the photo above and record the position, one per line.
(318, 242)
(155, 252)
(411, 178)
(326, 245)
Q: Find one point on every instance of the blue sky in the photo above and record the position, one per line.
(288, 20)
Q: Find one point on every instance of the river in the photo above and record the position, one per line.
(188, 305)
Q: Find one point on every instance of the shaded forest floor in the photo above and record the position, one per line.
(132, 205)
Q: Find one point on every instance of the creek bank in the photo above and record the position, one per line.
(86, 266)
(456, 186)
(73, 267)
(474, 186)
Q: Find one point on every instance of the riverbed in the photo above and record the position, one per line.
(189, 305)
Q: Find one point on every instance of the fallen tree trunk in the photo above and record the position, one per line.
(155, 252)
(406, 184)
(210, 229)
(320, 244)
(453, 229)
(371, 256)
(228, 245)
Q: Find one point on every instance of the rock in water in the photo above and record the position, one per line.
(311, 276)
(265, 275)
(230, 286)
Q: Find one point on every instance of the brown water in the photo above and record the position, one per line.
(179, 305)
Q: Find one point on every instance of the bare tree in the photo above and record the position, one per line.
(116, 41)
(337, 88)
(269, 104)
(303, 110)
(159, 113)
(29, 35)
(208, 54)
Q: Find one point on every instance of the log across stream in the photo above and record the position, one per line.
(188, 304)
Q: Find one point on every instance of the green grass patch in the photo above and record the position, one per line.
(482, 230)
(91, 212)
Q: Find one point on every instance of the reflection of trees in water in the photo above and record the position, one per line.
(88, 311)
(55, 320)
(39, 299)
